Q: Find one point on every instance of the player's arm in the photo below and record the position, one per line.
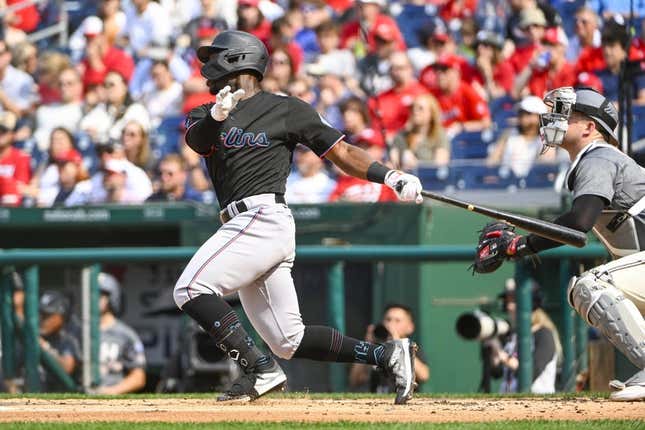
(356, 162)
(134, 381)
(201, 130)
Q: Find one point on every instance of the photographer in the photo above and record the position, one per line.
(397, 323)
(545, 346)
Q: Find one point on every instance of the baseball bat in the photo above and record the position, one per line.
(549, 230)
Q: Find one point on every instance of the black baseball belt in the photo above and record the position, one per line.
(225, 214)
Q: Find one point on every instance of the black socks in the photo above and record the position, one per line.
(219, 320)
(328, 344)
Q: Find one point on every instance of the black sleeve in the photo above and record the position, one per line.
(543, 352)
(583, 215)
(202, 131)
(307, 127)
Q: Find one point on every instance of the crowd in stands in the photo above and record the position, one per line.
(418, 83)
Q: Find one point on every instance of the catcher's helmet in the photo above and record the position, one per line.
(563, 101)
(236, 51)
(110, 286)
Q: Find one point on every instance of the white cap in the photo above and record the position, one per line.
(92, 26)
(116, 166)
(378, 2)
(532, 104)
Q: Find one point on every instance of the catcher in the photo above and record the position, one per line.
(608, 197)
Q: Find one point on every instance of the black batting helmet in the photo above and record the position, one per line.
(110, 286)
(236, 51)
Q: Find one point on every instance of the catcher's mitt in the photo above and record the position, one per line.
(497, 242)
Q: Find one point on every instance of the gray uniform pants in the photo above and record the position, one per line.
(252, 254)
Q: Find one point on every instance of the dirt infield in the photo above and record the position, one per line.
(315, 410)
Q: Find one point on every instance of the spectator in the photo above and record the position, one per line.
(533, 25)
(197, 178)
(331, 92)
(251, 20)
(545, 347)
(96, 121)
(331, 57)
(142, 80)
(442, 44)
(516, 25)
(196, 91)
(432, 38)
(614, 50)
(147, 24)
(355, 117)
(548, 69)
(315, 13)
(415, 16)
(113, 23)
(122, 357)
(68, 113)
(374, 69)
(282, 33)
(372, 142)
(397, 323)
(584, 47)
(136, 144)
(15, 171)
(370, 21)
(128, 183)
(54, 310)
(174, 182)
(25, 19)
(120, 106)
(423, 139)
(165, 98)
(301, 88)
(309, 183)
(25, 58)
(73, 187)
(461, 107)
(46, 179)
(102, 58)
(281, 69)
(210, 21)
(519, 149)
(50, 65)
(389, 110)
(355, 190)
(17, 88)
(495, 73)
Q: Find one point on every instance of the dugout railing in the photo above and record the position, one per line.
(573, 334)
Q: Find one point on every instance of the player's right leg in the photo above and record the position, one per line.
(610, 298)
(233, 258)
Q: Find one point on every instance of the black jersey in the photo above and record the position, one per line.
(251, 151)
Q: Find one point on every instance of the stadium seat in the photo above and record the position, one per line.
(476, 177)
(436, 178)
(468, 145)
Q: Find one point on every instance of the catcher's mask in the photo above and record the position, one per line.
(236, 51)
(565, 100)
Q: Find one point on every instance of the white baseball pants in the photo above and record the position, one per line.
(252, 254)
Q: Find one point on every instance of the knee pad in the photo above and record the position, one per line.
(605, 307)
(285, 346)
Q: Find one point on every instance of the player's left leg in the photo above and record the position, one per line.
(272, 307)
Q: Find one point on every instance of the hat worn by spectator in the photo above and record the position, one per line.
(589, 80)
(447, 62)
(92, 26)
(532, 16)
(249, 3)
(115, 166)
(369, 137)
(71, 155)
(489, 38)
(385, 31)
(532, 104)
(53, 302)
(555, 36)
(7, 121)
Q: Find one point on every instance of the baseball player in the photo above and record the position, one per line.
(247, 137)
(608, 197)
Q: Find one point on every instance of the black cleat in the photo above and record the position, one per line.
(399, 364)
(254, 384)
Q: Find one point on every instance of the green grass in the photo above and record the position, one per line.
(515, 425)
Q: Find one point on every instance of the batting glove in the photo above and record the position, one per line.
(407, 187)
(225, 102)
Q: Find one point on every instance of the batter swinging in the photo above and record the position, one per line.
(247, 137)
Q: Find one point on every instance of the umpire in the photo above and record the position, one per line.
(608, 197)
